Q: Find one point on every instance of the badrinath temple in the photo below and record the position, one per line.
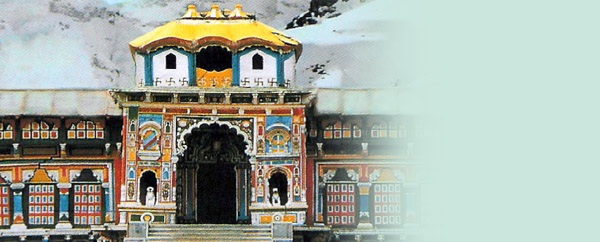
(214, 143)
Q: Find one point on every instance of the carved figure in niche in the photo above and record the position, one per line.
(296, 186)
(147, 180)
(130, 190)
(165, 191)
(278, 183)
(295, 144)
(150, 198)
(261, 146)
(275, 197)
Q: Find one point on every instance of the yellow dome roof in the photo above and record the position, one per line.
(234, 29)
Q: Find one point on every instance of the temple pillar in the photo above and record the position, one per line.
(227, 98)
(63, 150)
(16, 152)
(254, 98)
(365, 149)
(243, 195)
(364, 217)
(319, 149)
(17, 190)
(63, 215)
(108, 216)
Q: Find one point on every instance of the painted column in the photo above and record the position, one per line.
(235, 68)
(108, 205)
(243, 178)
(18, 223)
(63, 215)
(321, 197)
(16, 150)
(364, 217)
(63, 150)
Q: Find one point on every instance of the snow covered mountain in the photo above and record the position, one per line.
(84, 44)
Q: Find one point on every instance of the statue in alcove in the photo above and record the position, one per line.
(150, 197)
(275, 197)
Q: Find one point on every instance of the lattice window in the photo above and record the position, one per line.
(337, 130)
(278, 139)
(86, 130)
(397, 130)
(4, 205)
(347, 130)
(278, 144)
(341, 204)
(6, 131)
(41, 204)
(387, 203)
(356, 132)
(350, 130)
(379, 130)
(328, 132)
(40, 130)
(87, 203)
(333, 131)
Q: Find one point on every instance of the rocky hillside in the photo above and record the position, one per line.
(84, 44)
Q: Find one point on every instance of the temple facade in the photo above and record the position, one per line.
(215, 131)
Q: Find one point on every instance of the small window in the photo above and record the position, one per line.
(257, 62)
(171, 61)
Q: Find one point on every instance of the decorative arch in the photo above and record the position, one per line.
(284, 170)
(278, 125)
(150, 137)
(182, 146)
(279, 182)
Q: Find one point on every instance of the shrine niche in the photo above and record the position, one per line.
(148, 188)
(213, 164)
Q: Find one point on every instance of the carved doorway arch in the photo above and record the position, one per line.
(213, 175)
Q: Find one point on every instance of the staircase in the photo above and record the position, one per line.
(209, 232)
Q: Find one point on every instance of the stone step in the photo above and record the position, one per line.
(191, 239)
(209, 232)
(210, 226)
(184, 234)
(211, 229)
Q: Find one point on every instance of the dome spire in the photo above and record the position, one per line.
(191, 12)
(237, 12)
(215, 12)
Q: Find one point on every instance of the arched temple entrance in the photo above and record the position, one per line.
(212, 176)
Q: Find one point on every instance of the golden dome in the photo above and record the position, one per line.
(236, 30)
